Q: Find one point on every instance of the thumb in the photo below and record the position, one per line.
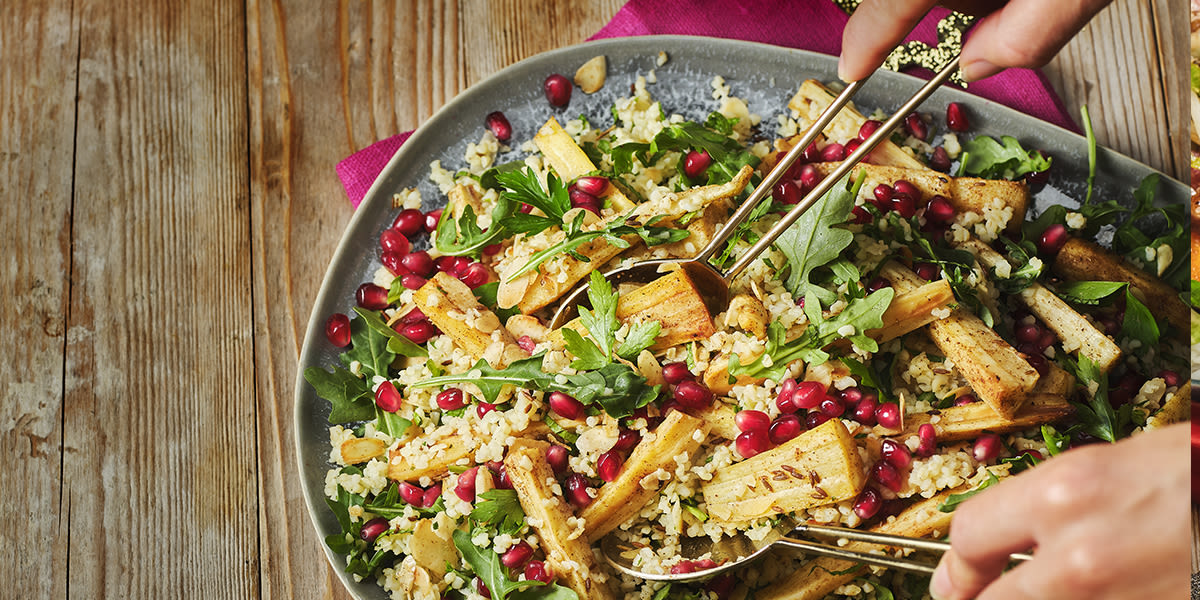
(1025, 33)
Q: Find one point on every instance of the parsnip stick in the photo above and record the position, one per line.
(820, 466)
(622, 499)
(570, 162)
(451, 305)
(449, 450)
(966, 422)
(1175, 409)
(1081, 260)
(568, 553)
(812, 98)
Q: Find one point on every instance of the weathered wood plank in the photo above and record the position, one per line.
(39, 41)
(159, 459)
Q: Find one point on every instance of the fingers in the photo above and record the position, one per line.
(873, 30)
(1024, 34)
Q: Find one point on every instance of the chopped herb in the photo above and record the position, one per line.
(1006, 159)
(1097, 416)
(613, 232)
(390, 423)
(486, 565)
(954, 500)
(1055, 442)
(816, 239)
(349, 396)
(692, 506)
(396, 343)
(501, 510)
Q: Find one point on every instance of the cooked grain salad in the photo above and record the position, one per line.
(919, 335)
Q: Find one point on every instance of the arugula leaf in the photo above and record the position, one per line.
(1026, 273)
(861, 314)
(1097, 416)
(350, 397)
(359, 559)
(1091, 147)
(1020, 463)
(1089, 292)
(396, 343)
(1139, 323)
(616, 387)
(1006, 159)
(744, 231)
(486, 565)
(815, 239)
(640, 337)
(369, 347)
(954, 500)
(390, 423)
(728, 155)
(501, 510)
(613, 232)
(866, 376)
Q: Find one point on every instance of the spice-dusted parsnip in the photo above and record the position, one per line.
(969, 421)
(812, 98)
(1081, 260)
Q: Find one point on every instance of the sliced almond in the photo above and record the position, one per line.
(360, 450)
(590, 77)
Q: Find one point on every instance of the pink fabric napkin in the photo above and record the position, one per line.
(808, 24)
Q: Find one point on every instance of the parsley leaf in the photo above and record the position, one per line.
(601, 321)
(587, 355)
(640, 337)
(1055, 442)
(360, 561)
(1139, 322)
(1006, 159)
(728, 155)
(349, 396)
(954, 500)
(815, 239)
(861, 314)
(464, 237)
(1026, 273)
(500, 509)
(1097, 416)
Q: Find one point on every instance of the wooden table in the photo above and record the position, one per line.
(170, 206)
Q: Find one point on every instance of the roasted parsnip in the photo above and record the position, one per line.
(451, 305)
(1081, 260)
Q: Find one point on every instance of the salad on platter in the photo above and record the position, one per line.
(917, 336)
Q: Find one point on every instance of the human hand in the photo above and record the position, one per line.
(1016, 33)
(1108, 522)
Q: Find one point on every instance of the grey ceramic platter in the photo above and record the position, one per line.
(765, 76)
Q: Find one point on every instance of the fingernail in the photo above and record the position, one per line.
(980, 69)
(841, 69)
(939, 586)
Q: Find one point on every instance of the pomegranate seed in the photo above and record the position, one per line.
(693, 395)
(696, 163)
(815, 418)
(1119, 397)
(676, 373)
(445, 264)
(526, 208)
(831, 407)
(851, 146)
(492, 249)
(793, 171)
(558, 90)
(749, 420)
(850, 395)
(565, 406)
(939, 160)
(860, 216)
(499, 125)
(867, 504)
(412, 281)
(1027, 332)
(915, 126)
(965, 399)
(419, 332)
(808, 394)
(682, 567)
(785, 401)
(413, 316)
(833, 152)
(465, 487)
(626, 440)
(431, 495)
(451, 399)
(811, 153)
(1131, 381)
(722, 586)
(705, 564)
(387, 398)
(557, 457)
(809, 178)
(1039, 363)
(888, 476)
(337, 330)
(371, 297)
(394, 241)
(867, 128)
(669, 406)
(394, 263)
(888, 415)
(475, 275)
(987, 447)
(1047, 339)
(582, 199)
(577, 487)
(1052, 239)
(883, 197)
(750, 443)
(904, 205)
(481, 588)
(878, 284)
(410, 222)
(864, 411)
(412, 493)
(926, 271)
(592, 185)
(1170, 378)
(956, 118)
(419, 263)
(787, 192)
(1037, 178)
(372, 529)
(431, 220)
(609, 465)
(939, 210)
(483, 408)
(928, 437)
(536, 571)
(517, 555)
(785, 428)
(896, 454)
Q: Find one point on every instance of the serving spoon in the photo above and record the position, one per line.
(712, 283)
(732, 551)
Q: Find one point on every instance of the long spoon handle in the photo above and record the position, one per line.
(833, 178)
(768, 183)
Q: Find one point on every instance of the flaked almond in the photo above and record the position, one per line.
(360, 450)
(590, 77)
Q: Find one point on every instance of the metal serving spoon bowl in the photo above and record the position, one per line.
(712, 283)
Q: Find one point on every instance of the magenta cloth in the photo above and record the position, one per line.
(808, 24)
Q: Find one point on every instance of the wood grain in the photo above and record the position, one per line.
(37, 119)
(159, 449)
